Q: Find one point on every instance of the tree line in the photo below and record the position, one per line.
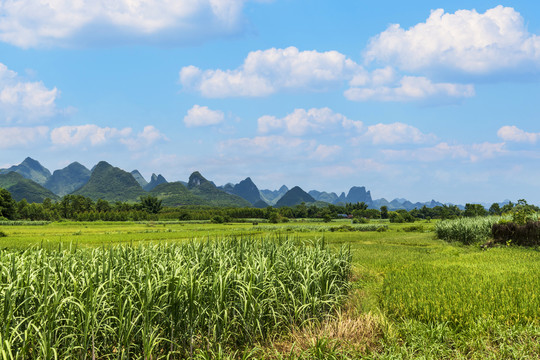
(81, 208)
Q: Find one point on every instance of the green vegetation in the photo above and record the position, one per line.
(411, 296)
(466, 230)
(176, 194)
(21, 188)
(111, 184)
(295, 196)
(163, 300)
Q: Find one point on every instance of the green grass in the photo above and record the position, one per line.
(426, 298)
(163, 300)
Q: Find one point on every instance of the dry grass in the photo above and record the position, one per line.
(347, 332)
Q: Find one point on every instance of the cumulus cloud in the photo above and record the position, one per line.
(302, 121)
(203, 116)
(515, 134)
(325, 152)
(95, 135)
(397, 133)
(92, 134)
(465, 41)
(29, 23)
(411, 88)
(443, 151)
(266, 145)
(21, 136)
(265, 72)
(24, 101)
(149, 136)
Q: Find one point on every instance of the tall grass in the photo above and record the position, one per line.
(163, 300)
(466, 230)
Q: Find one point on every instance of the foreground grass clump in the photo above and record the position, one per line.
(466, 230)
(155, 301)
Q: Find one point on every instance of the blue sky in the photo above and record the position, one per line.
(423, 100)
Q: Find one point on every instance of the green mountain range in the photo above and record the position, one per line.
(67, 180)
(176, 194)
(111, 184)
(206, 190)
(295, 196)
(30, 169)
(155, 180)
(21, 188)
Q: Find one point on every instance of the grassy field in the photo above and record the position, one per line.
(412, 296)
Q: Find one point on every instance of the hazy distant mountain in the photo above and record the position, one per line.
(111, 184)
(359, 194)
(30, 169)
(140, 179)
(246, 189)
(401, 203)
(22, 188)
(68, 179)
(324, 196)
(295, 196)
(272, 196)
(206, 190)
(155, 180)
(176, 194)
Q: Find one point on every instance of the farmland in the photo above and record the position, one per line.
(411, 295)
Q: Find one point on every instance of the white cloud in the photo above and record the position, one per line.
(203, 116)
(410, 88)
(92, 134)
(397, 133)
(263, 145)
(24, 101)
(265, 72)
(149, 136)
(515, 134)
(30, 23)
(21, 136)
(442, 151)
(325, 152)
(302, 121)
(466, 41)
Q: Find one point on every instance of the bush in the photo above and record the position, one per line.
(218, 219)
(2, 234)
(360, 221)
(514, 233)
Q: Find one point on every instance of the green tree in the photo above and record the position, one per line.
(151, 204)
(473, 210)
(7, 205)
(495, 209)
(384, 212)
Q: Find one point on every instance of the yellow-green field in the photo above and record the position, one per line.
(412, 296)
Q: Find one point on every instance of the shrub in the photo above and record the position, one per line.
(514, 233)
(2, 234)
(466, 230)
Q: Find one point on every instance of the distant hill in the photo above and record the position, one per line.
(68, 179)
(246, 189)
(207, 191)
(272, 196)
(22, 188)
(324, 196)
(359, 194)
(295, 196)
(140, 179)
(176, 194)
(155, 180)
(111, 184)
(30, 169)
